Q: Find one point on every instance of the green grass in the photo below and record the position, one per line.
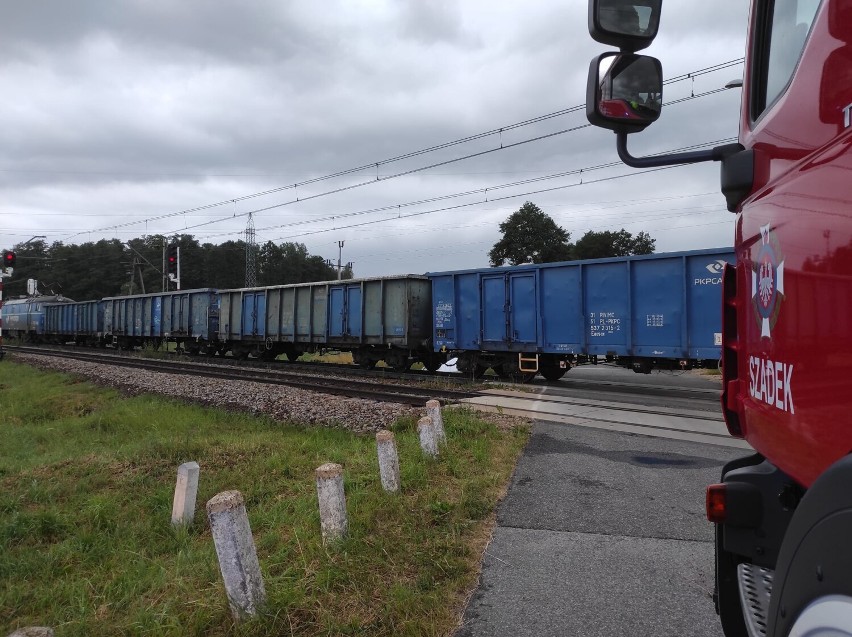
(86, 545)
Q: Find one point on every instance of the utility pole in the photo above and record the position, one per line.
(340, 265)
(251, 250)
(137, 269)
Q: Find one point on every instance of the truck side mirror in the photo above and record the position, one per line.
(630, 25)
(624, 92)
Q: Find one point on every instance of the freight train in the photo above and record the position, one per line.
(644, 312)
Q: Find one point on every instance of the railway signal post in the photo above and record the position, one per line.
(173, 263)
(8, 267)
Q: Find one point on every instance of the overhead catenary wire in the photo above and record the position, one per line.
(483, 191)
(430, 149)
(457, 159)
(467, 205)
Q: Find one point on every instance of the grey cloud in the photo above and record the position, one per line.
(153, 107)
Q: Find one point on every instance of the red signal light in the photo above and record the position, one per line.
(717, 503)
(172, 259)
(9, 259)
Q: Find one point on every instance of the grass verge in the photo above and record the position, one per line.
(86, 546)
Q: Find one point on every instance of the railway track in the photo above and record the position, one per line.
(626, 390)
(635, 407)
(370, 389)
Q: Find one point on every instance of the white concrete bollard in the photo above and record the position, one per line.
(186, 490)
(388, 460)
(428, 439)
(33, 631)
(332, 502)
(433, 410)
(237, 556)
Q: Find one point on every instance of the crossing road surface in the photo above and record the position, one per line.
(603, 531)
(684, 408)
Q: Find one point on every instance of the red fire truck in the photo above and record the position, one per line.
(783, 516)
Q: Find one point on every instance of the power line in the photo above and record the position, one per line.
(457, 159)
(430, 149)
(466, 205)
(476, 191)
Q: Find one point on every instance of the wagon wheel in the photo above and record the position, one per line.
(363, 359)
(470, 366)
(553, 370)
(240, 353)
(401, 365)
(552, 373)
(432, 363)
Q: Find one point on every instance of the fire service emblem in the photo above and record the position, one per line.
(767, 282)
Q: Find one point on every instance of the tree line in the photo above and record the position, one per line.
(109, 267)
(531, 236)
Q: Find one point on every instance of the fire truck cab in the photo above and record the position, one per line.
(783, 515)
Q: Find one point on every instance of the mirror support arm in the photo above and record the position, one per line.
(715, 154)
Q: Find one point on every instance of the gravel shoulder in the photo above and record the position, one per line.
(280, 402)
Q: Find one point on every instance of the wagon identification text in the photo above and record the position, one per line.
(443, 313)
(770, 382)
(603, 323)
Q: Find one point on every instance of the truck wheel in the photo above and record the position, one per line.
(829, 616)
(814, 565)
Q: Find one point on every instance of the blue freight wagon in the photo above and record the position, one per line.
(81, 322)
(376, 319)
(658, 310)
(189, 318)
(24, 318)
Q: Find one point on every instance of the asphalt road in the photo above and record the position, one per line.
(601, 533)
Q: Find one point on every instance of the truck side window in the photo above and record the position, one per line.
(785, 28)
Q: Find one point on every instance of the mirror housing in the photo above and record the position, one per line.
(624, 91)
(631, 25)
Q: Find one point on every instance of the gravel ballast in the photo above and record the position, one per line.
(277, 401)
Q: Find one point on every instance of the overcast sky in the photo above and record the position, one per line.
(122, 118)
